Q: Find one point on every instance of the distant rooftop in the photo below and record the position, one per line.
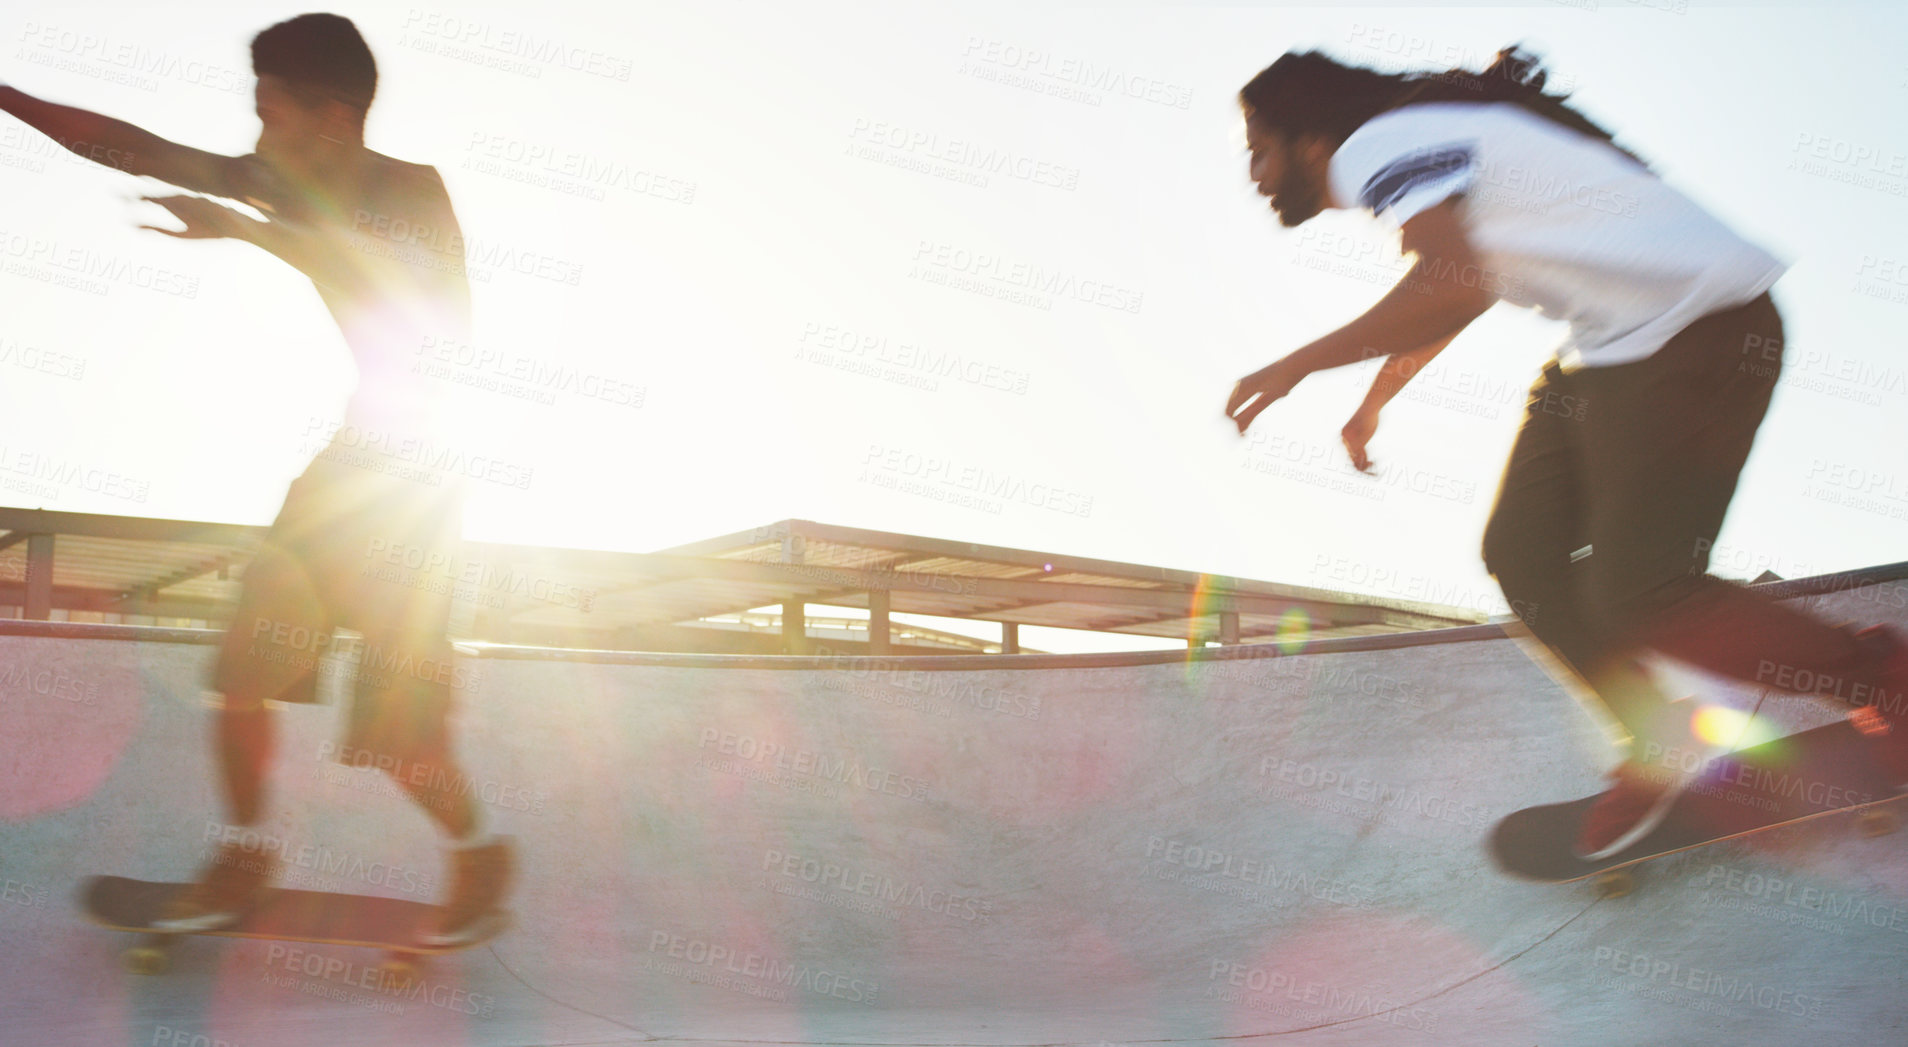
(703, 596)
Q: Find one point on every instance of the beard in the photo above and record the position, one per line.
(1296, 199)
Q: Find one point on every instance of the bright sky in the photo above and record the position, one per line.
(759, 264)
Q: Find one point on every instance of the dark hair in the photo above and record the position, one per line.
(321, 57)
(1309, 93)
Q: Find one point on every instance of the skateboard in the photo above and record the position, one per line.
(1818, 772)
(319, 917)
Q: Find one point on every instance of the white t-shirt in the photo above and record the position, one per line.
(1561, 222)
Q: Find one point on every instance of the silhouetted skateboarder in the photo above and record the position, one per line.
(1633, 438)
(378, 239)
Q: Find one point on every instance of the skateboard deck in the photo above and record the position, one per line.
(318, 917)
(1817, 772)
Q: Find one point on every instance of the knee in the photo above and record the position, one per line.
(1638, 609)
(1509, 555)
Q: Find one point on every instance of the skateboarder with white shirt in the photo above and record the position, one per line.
(1634, 436)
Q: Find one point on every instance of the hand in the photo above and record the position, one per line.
(1256, 391)
(204, 220)
(1356, 434)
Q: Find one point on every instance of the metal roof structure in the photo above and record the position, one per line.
(153, 571)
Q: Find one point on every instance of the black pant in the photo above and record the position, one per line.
(1638, 462)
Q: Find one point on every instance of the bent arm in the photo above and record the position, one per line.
(120, 145)
(1445, 290)
(1398, 370)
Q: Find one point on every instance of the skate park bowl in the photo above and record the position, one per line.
(1251, 844)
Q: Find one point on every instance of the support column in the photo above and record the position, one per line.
(878, 621)
(794, 627)
(794, 612)
(1228, 627)
(1010, 637)
(39, 577)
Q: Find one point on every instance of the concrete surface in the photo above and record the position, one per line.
(1091, 850)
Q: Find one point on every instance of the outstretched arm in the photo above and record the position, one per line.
(1399, 369)
(1445, 290)
(120, 145)
(304, 247)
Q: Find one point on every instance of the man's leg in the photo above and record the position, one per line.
(1669, 436)
(408, 679)
(1536, 526)
(401, 717)
(269, 653)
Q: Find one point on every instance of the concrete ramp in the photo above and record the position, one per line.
(1250, 847)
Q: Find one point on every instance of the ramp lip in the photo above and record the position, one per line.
(1819, 585)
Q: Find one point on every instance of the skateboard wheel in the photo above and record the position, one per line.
(1616, 884)
(397, 972)
(1877, 823)
(144, 959)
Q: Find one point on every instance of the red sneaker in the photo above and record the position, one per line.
(1639, 798)
(1884, 718)
(1888, 651)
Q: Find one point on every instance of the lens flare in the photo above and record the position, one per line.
(1294, 632)
(1722, 726)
